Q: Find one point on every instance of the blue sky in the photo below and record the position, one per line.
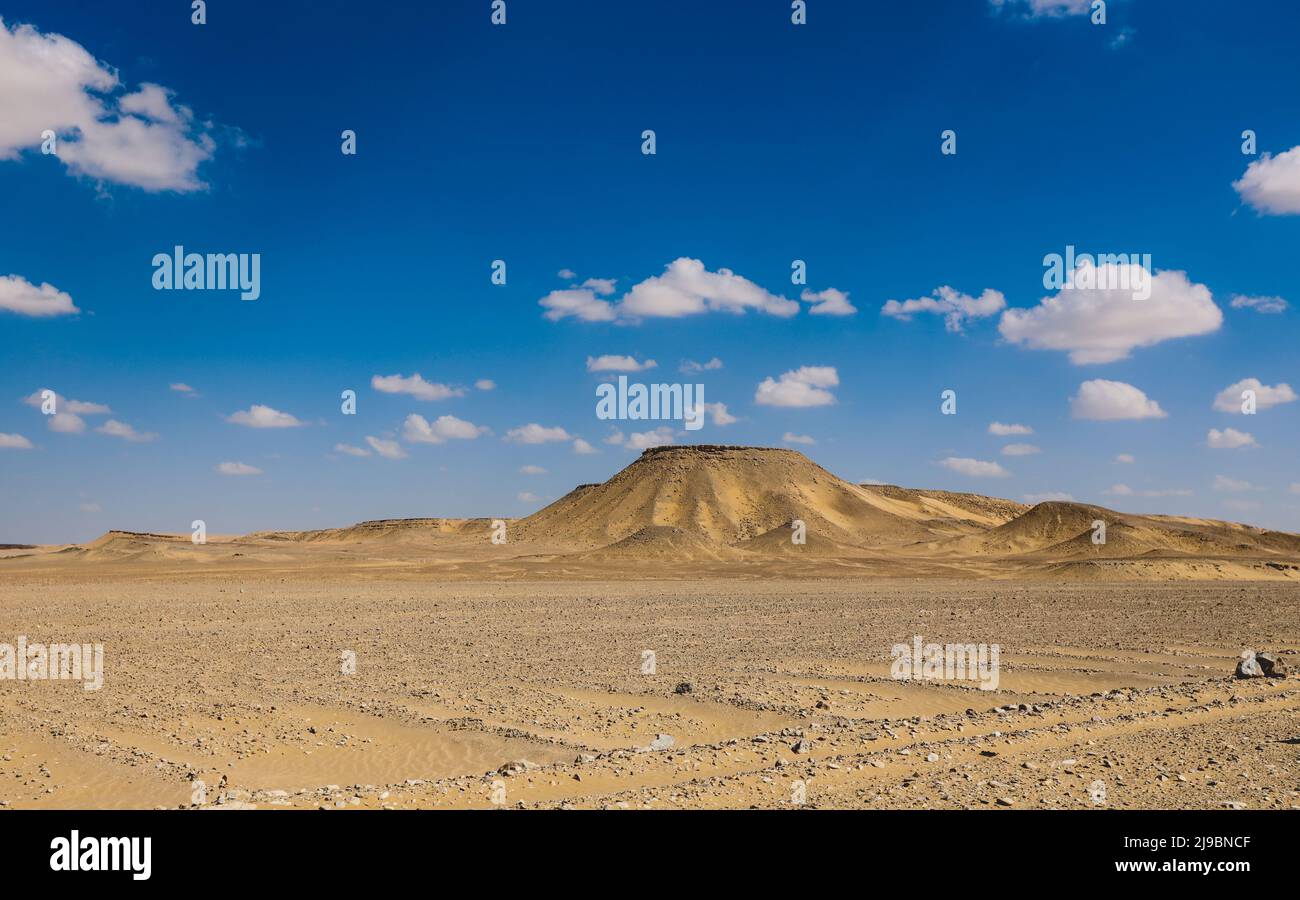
(522, 142)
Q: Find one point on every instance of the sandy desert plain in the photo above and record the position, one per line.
(515, 674)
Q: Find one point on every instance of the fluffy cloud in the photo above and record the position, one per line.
(143, 138)
(805, 386)
(1232, 485)
(351, 450)
(1229, 399)
(686, 288)
(582, 448)
(390, 449)
(611, 363)
(1044, 8)
(181, 387)
(1229, 439)
(64, 405)
(417, 430)
(18, 295)
(791, 438)
(1266, 305)
(527, 497)
(1103, 400)
(1123, 490)
(531, 470)
(1020, 450)
(1271, 184)
(67, 423)
(974, 468)
(1106, 323)
(829, 302)
(955, 307)
(532, 433)
(718, 413)
(1002, 430)
(1125, 458)
(415, 386)
(237, 468)
(114, 428)
(690, 366)
(14, 442)
(258, 416)
(485, 384)
(643, 440)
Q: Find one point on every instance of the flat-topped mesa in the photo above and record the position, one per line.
(716, 448)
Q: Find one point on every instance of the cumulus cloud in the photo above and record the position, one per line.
(955, 307)
(611, 363)
(258, 416)
(643, 440)
(351, 450)
(114, 428)
(1266, 305)
(527, 497)
(1123, 490)
(974, 468)
(686, 288)
(718, 413)
(1103, 400)
(485, 384)
(63, 404)
(142, 138)
(582, 448)
(18, 295)
(415, 386)
(417, 430)
(238, 468)
(1125, 458)
(1020, 450)
(1035, 9)
(532, 433)
(1229, 399)
(829, 302)
(531, 470)
(389, 449)
(1002, 430)
(791, 438)
(1229, 439)
(801, 387)
(1271, 184)
(14, 442)
(67, 423)
(181, 387)
(1106, 323)
(1232, 485)
(690, 366)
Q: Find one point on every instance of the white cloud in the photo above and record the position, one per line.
(485, 384)
(582, 448)
(389, 449)
(975, 468)
(351, 450)
(1002, 430)
(114, 428)
(1123, 490)
(1125, 458)
(644, 440)
(417, 430)
(531, 470)
(805, 386)
(144, 139)
(258, 416)
(415, 386)
(1232, 485)
(67, 423)
(1271, 184)
(532, 433)
(1229, 399)
(1119, 490)
(829, 302)
(527, 497)
(18, 295)
(718, 412)
(238, 468)
(611, 363)
(1048, 496)
(690, 366)
(955, 307)
(567, 274)
(14, 442)
(1267, 305)
(1229, 439)
(1020, 450)
(791, 438)
(1105, 401)
(181, 388)
(1035, 9)
(686, 288)
(1105, 324)
(63, 405)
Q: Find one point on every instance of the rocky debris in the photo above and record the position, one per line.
(684, 687)
(662, 742)
(800, 746)
(514, 767)
(1261, 665)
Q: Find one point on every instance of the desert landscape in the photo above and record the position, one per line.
(663, 640)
